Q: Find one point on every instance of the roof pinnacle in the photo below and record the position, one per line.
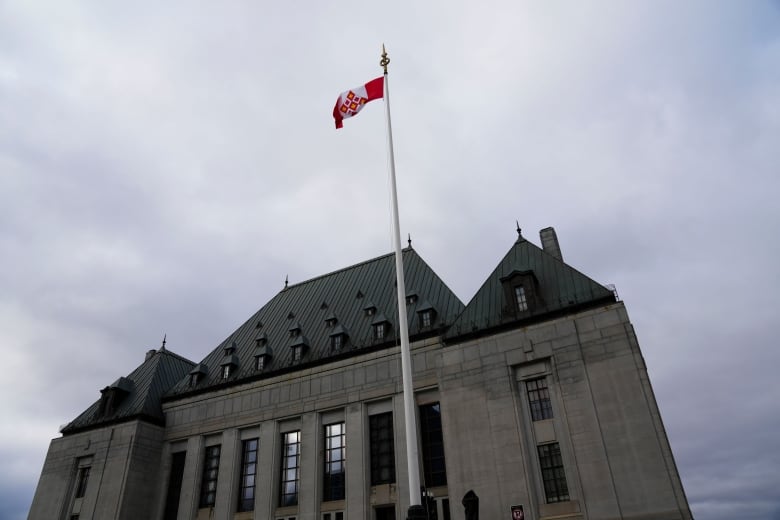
(162, 347)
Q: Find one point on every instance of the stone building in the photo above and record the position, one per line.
(534, 394)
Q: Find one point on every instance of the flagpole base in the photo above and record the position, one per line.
(416, 513)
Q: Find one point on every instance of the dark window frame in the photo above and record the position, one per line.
(209, 476)
(82, 480)
(379, 331)
(432, 443)
(553, 474)
(175, 479)
(426, 318)
(382, 448)
(248, 475)
(297, 354)
(539, 400)
(289, 483)
(334, 467)
(521, 300)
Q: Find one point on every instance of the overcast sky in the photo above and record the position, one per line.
(164, 166)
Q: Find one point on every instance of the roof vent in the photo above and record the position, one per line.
(150, 354)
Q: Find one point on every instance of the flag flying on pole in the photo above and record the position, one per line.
(351, 102)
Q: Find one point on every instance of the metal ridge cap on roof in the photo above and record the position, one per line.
(353, 266)
(177, 356)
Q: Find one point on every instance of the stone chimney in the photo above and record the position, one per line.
(550, 243)
(149, 354)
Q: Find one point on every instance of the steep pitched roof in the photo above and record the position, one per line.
(557, 289)
(136, 396)
(355, 296)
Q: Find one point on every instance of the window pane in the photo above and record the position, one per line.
(290, 469)
(539, 399)
(208, 483)
(246, 491)
(335, 454)
(381, 448)
(432, 445)
(553, 474)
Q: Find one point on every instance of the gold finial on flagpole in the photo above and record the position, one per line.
(385, 60)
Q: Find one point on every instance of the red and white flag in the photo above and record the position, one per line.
(351, 102)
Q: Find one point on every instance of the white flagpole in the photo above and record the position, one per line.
(412, 463)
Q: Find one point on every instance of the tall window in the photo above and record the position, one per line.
(81, 481)
(522, 303)
(174, 485)
(246, 487)
(539, 399)
(380, 428)
(553, 476)
(432, 445)
(208, 483)
(335, 457)
(291, 465)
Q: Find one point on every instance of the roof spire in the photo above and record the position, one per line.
(519, 231)
(410, 239)
(285, 281)
(385, 61)
(162, 347)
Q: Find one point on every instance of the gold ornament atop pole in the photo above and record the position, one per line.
(385, 61)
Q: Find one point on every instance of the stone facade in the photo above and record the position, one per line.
(555, 414)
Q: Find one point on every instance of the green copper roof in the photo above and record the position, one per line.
(136, 396)
(551, 286)
(307, 310)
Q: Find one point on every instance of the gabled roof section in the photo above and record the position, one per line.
(347, 293)
(139, 395)
(552, 286)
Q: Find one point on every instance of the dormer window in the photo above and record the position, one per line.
(262, 340)
(112, 396)
(520, 299)
(299, 346)
(411, 298)
(425, 319)
(228, 366)
(338, 338)
(263, 356)
(369, 309)
(380, 328)
(521, 294)
(197, 374)
(331, 321)
(230, 349)
(426, 314)
(379, 331)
